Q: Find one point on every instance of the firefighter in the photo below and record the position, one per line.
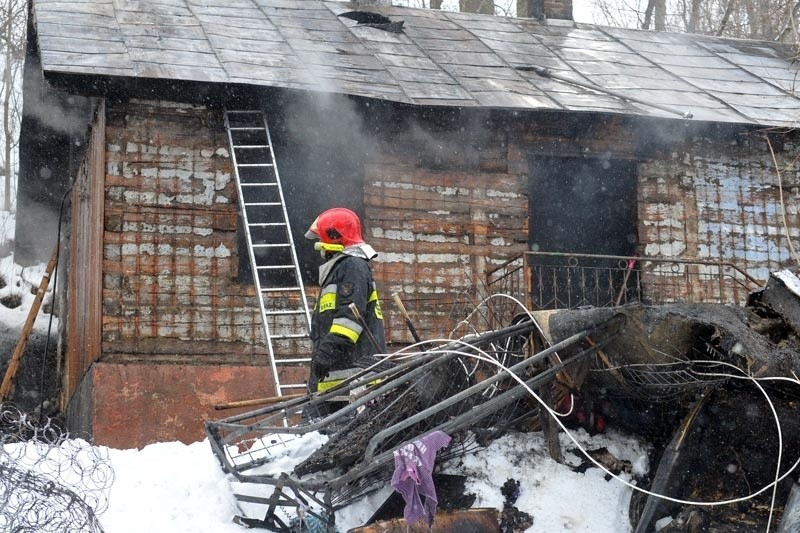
(339, 336)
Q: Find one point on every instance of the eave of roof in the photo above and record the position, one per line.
(439, 59)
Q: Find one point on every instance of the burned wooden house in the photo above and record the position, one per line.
(565, 163)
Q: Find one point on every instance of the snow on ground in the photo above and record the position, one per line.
(558, 498)
(172, 487)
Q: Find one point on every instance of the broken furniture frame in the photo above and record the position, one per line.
(248, 443)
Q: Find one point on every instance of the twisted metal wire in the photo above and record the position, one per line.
(49, 481)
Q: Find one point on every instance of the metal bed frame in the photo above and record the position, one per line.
(451, 396)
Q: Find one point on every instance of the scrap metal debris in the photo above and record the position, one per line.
(714, 388)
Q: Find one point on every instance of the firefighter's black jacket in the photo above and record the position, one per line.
(338, 335)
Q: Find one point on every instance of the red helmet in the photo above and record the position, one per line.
(336, 226)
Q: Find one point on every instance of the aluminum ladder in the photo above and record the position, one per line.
(273, 258)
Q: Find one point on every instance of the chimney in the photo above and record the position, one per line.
(376, 3)
(545, 9)
(558, 9)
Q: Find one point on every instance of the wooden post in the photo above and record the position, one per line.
(258, 401)
(19, 350)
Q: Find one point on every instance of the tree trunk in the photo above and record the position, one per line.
(436, 4)
(725, 17)
(752, 17)
(648, 14)
(660, 15)
(694, 16)
(12, 29)
(8, 87)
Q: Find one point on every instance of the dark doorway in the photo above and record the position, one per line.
(581, 206)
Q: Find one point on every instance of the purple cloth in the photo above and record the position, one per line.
(413, 476)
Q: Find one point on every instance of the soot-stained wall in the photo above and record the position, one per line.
(444, 196)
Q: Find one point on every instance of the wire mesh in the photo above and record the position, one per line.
(49, 481)
(662, 382)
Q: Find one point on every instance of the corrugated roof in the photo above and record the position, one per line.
(440, 58)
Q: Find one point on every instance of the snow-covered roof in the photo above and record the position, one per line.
(437, 58)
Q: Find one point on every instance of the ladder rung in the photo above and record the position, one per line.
(262, 203)
(285, 312)
(265, 224)
(293, 361)
(280, 289)
(273, 267)
(291, 336)
(282, 245)
(249, 146)
(244, 111)
(254, 165)
(264, 184)
(243, 128)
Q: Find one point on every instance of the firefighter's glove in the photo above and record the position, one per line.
(319, 370)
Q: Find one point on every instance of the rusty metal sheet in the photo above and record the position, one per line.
(480, 520)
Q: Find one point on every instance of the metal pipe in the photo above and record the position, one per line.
(547, 73)
(381, 435)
